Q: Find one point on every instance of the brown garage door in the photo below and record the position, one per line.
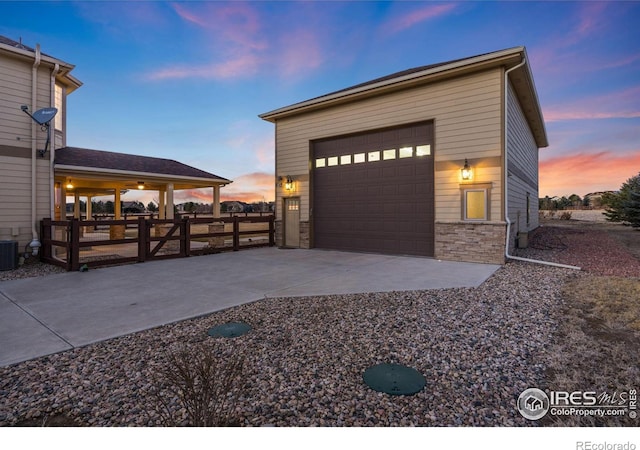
(374, 192)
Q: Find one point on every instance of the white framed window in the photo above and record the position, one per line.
(374, 156)
(405, 152)
(359, 158)
(345, 159)
(389, 154)
(321, 162)
(475, 204)
(423, 150)
(332, 161)
(475, 201)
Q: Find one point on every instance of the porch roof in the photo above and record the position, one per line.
(95, 165)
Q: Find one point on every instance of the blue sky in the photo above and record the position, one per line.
(187, 80)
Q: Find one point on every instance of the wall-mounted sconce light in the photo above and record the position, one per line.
(466, 171)
(69, 184)
(288, 184)
(141, 185)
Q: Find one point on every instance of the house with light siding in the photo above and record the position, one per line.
(438, 161)
(32, 78)
(36, 178)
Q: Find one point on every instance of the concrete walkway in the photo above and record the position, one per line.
(40, 316)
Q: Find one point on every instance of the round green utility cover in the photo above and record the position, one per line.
(229, 330)
(394, 379)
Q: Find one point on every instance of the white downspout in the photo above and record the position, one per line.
(506, 179)
(35, 242)
(52, 140)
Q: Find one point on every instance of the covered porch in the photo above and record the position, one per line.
(84, 174)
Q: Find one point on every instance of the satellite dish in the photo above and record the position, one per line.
(44, 115)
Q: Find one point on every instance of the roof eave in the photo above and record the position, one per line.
(68, 168)
(532, 109)
(452, 69)
(65, 68)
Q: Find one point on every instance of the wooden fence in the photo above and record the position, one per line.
(75, 243)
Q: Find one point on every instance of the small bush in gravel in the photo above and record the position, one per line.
(197, 386)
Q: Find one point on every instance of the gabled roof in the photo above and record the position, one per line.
(521, 78)
(87, 160)
(19, 50)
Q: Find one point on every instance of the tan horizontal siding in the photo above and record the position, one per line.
(523, 173)
(15, 192)
(467, 116)
(15, 90)
(523, 151)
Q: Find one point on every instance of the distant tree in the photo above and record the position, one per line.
(152, 207)
(624, 206)
(575, 200)
(108, 207)
(545, 203)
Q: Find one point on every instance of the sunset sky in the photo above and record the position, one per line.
(187, 80)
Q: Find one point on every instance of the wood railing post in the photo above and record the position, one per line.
(185, 237)
(74, 251)
(272, 232)
(45, 234)
(142, 239)
(236, 234)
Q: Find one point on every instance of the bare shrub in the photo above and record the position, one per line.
(566, 215)
(198, 386)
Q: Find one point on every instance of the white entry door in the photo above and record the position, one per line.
(292, 222)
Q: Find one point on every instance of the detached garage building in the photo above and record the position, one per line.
(414, 163)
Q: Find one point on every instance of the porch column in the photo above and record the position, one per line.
(161, 209)
(117, 231)
(89, 209)
(116, 204)
(216, 202)
(169, 200)
(76, 205)
(62, 203)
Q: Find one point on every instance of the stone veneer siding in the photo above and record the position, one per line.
(304, 234)
(305, 240)
(278, 230)
(470, 242)
(455, 241)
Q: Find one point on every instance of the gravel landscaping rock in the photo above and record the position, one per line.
(593, 250)
(478, 349)
(31, 268)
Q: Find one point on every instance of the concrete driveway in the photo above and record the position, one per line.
(40, 316)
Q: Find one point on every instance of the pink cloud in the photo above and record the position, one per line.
(590, 17)
(189, 16)
(250, 187)
(235, 22)
(300, 51)
(243, 66)
(417, 16)
(585, 172)
(623, 104)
